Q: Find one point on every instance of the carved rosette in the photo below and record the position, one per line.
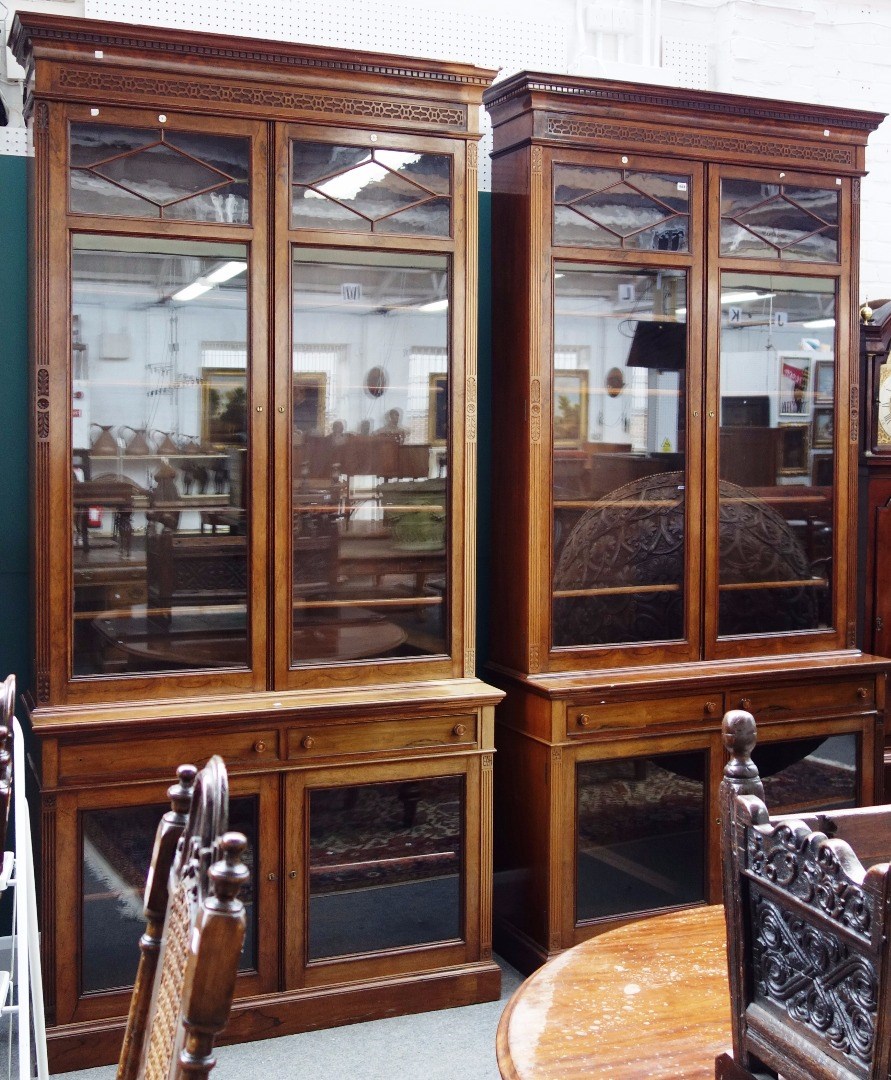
(816, 978)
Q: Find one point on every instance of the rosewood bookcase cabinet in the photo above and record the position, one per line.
(254, 452)
(676, 389)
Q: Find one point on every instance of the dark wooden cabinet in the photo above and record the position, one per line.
(254, 458)
(875, 484)
(675, 366)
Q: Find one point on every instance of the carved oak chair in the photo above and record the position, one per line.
(194, 934)
(807, 904)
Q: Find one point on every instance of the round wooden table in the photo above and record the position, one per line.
(647, 1000)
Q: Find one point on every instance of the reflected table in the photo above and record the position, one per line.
(649, 999)
(195, 638)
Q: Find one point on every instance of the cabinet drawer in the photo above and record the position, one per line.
(437, 733)
(608, 715)
(160, 757)
(848, 695)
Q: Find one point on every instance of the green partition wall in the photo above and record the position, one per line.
(15, 627)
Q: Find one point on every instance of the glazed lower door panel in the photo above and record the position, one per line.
(116, 851)
(107, 839)
(641, 833)
(389, 869)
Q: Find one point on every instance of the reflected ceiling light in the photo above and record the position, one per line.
(819, 324)
(224, 272)
(434, 305)
(191, 291)
(227, 271)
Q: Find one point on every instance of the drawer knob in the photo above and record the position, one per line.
(307, 742)
(861, 691)
(583, 720)
(745, 703)
(459, 730)
(711, 707)
(259, 746)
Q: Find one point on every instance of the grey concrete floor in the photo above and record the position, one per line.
(445, 1045)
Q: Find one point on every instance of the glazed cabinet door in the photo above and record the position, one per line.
(152, 436)
(370, 419)
(622, 416)
(101, 846)
(382, 870)
(781, 557)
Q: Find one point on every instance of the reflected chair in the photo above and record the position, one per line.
(807, 902)
(194, 934)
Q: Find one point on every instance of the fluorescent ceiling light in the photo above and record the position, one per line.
(434, 305)
(745, 297)
(819, 324)
(226, 272)
(191, 291)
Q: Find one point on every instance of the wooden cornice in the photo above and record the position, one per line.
(31, 31)
(554, 92)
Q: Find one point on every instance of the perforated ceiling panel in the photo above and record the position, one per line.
(490, 40)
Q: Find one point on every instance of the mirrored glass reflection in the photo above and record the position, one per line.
(369, 464)
(619, 435)
(776, 453)
(386, 866)
(159, 449)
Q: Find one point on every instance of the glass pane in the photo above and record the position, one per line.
(174, 175)
(369, 456)
(386, 866)
(802, 776)
(386, 191)
(627, 209)
(159, 446)
(619, 454)
(117, 852)
(640, 841)
(784, 221)
(775, 454)
(92, 143)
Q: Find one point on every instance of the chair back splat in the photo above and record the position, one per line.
(195, 927)
(807, 905)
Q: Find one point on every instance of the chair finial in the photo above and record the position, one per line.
(180, 793)
(229, 875)
(740, 733)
